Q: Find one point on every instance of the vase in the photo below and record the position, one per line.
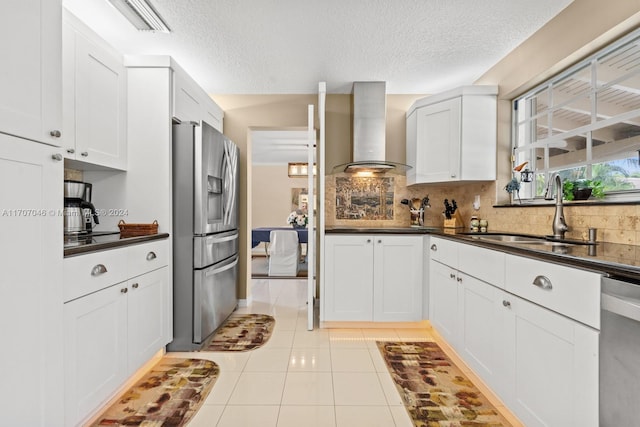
(294, 225)
(581, 193)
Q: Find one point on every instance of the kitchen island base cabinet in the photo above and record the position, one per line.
(373, 278)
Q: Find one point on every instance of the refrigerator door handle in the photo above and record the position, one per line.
(230, 184)
(216, 239)
(213, 271)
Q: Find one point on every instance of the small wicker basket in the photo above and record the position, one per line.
(133, 230)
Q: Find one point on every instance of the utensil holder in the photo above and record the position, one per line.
(454, 222)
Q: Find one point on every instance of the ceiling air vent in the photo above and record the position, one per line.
(141, 14)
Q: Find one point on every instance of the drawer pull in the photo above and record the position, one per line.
(506, 303)
(542, 282)
(124, 290)
(459, 279)
(98, 270)
(368, 240)
(135, 286)
(451, 275)
(151, 256)
(434, 248)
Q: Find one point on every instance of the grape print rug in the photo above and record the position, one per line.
(435, 392)
(242, 332)
(168, 395)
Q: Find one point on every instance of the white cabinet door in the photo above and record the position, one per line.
(192, 103)
(555, 367)
(147, 315)
(443, 301)
(30, 281)
(348, 293)
(95, 350)
(186, 98)
(95, 99)
(31, 83)
(482, 340)
(397, 278)
(438, 142)
(452, 136)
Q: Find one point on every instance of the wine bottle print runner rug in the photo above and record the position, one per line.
(242, 332)
(168, 395)
(434, 390)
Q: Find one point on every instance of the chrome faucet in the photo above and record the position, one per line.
(559, 224)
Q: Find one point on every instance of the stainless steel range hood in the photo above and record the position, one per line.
(369, 124)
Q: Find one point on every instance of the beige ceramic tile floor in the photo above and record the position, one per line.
(322, 378)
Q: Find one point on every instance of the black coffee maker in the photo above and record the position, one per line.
(79, 212)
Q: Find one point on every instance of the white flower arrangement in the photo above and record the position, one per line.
(298, 218)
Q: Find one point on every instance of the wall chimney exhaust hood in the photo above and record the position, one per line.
(369, 124)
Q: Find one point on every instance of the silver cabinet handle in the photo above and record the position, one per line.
(55, 133)
(56, 156)
(368, 240)
(542, 282)
(434, 248)
(84, 154)
(379, 241)
(135, 286)
(98, 270)
(124, 290)
(151, 256)
(71, 150)
(451, 275)
(506, 303)
(459, 279)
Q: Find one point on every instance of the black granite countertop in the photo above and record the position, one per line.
(100, 241)
(611, 259)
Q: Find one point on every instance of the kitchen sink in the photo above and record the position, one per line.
(526, 239)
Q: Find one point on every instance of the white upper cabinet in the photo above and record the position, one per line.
(94, 99)
(31, 85)
(191, 102)
(452, 136)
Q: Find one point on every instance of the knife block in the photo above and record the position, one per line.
(454, 222)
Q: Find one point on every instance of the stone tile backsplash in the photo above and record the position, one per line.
(615, 223)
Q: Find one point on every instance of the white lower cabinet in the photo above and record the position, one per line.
(114, 328)
(541, 363)
(373, 278)
(443, 301)
(483, 343)
(95, 350)
(554, 367)
(147, 315)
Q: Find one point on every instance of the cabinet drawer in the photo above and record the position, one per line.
(483, 264)
(444, 251)
(569, 291)
(91, 272)
(147, 257)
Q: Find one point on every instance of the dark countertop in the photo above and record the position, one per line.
(101, 241)
(612, 259)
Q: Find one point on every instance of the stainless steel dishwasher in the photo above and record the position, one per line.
(620, 353)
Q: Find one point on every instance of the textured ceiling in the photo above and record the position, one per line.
(288, 46)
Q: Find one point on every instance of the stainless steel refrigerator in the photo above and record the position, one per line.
(205, 232)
